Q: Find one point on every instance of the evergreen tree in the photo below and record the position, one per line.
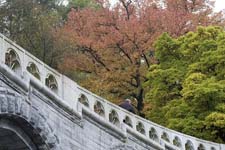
(186, 90)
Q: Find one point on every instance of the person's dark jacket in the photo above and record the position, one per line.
(126, 105)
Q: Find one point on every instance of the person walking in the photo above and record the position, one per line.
(127, 105)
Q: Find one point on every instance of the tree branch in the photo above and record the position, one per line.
(95, 56)
(126, 6)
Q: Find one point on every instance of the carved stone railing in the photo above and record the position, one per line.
(76, 99)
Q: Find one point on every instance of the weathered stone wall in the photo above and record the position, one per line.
(58, 128)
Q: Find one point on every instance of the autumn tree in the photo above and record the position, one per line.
(112, 48)
(177, 17)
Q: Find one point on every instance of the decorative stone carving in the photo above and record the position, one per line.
(128, 121)
(83, 100)
(51, 82)
(165, 137)
(140, 128)
(153, 134)
(114, 118)
(12, 60)
(177, 142)
(189, 145)
(32, 68)
(99, 109)
(201, 147)
(213, 148)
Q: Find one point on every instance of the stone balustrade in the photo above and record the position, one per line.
(76, 98)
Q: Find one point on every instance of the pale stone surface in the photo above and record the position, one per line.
(56, 127)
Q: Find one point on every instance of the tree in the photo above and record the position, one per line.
(100, 39)
(119, 33)
(186, 89)
(30, 24)
(178, 17)
(125, 32)
(80, 4)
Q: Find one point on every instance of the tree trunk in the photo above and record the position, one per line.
(140, 99)
(140, 90)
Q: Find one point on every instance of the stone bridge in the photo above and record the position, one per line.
(43, 109)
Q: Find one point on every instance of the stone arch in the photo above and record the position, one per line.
(17, 109)
(122, 147)
(33, 69)
(177, 141)
(51, 82)
(165, 137)
(83, 100)
(189, 145)
(99, 109)
(114, 118)
(153, 134)
(140, 127)
(12, 60)
(23, 140)
(128, 121)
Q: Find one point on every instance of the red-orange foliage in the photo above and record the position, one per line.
(114, 44)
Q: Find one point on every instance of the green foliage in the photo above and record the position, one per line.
(166, 83)
(187, 87)
(79, 4)
(215, 123)
(30, 24)
(168, 49)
